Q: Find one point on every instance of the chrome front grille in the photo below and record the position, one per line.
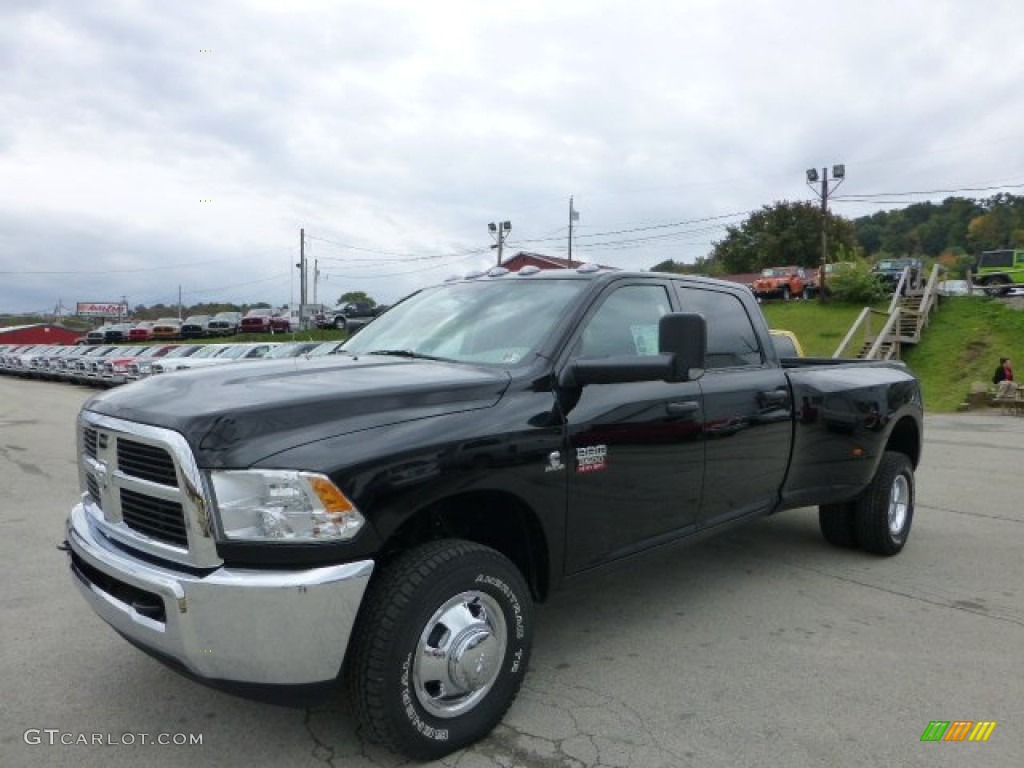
(149, 462)
(89, 441)
(161, 519)
(142, 487)
(94, 490)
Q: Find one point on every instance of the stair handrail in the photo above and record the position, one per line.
(884, 334)
(898, 293)
(861, 319)
(930, 300)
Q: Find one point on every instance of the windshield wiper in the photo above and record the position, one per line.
(406, 353)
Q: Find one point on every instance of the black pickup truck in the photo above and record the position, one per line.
(386, 518)
(351, 316)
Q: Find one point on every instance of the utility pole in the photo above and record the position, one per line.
(838, 176)
(500, 232)
(302, 278)
(179, 301)
(574, 215)
(316, 277)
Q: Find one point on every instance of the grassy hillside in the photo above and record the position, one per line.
(964, 342)
(820, 327)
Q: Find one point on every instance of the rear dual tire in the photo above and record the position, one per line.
(879, 519)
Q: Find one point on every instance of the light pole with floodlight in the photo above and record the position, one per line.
(499, 231)
(838, 176)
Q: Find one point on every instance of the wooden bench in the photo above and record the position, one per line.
(1011, 405)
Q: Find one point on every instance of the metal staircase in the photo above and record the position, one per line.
(909, 312)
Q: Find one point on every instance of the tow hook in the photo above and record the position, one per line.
(63, 546)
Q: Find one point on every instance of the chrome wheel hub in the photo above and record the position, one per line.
(459, 654)
(899, 504)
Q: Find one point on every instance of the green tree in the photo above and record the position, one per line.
(855, 283)
(345, 298)
(781, 234)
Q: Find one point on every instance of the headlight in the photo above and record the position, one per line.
(283, 505)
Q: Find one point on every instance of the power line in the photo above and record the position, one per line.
(407, 271)
(868, 196)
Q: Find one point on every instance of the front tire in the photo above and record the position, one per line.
(339, 323)
(997, 286)
(785, 292)
(440, 648)
(885, 509)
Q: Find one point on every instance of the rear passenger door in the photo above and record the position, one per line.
(747, 408)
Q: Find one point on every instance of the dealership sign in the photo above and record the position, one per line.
(102, 309)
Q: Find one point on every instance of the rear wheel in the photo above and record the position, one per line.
(785, 292)
(838, 524)
(885, 509)
(440, 648)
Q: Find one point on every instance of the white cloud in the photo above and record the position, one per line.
(404, 127)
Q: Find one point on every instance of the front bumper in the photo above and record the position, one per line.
(225, 625)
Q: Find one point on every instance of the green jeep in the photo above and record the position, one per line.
(998, 271)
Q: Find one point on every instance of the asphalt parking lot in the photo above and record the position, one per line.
(763, 647)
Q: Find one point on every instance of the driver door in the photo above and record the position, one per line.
(635, 450)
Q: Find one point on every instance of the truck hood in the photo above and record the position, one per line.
(235, 415)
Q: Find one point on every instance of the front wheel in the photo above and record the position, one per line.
(785, 292)
(339, 323)
(997, 286)
(440, 648)
(885, 509)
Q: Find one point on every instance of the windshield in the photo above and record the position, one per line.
(325, 348)
(494, 323)
(212, 351)
(293, 349)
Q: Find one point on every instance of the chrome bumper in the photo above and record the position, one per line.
(262, 627)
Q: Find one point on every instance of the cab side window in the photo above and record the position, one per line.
(732, 340)
(626, 323)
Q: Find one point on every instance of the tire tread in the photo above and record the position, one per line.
(872, 525)
(384, 605)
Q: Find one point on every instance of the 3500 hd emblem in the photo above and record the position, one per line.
(591, 458)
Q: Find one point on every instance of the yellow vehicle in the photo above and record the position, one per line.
(786, 343)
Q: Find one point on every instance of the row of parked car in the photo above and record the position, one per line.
(262, 320)
(794, 282)
(109, 365)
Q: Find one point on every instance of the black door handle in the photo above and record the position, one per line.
(682, 408)
(773, 397)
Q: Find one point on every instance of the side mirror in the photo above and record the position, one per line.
(685, 336)
(682, 341)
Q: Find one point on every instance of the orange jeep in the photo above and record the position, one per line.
(782, 282)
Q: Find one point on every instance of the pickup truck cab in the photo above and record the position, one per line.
(386, 517)
(350, 317)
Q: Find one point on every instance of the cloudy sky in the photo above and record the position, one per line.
(147, 146)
